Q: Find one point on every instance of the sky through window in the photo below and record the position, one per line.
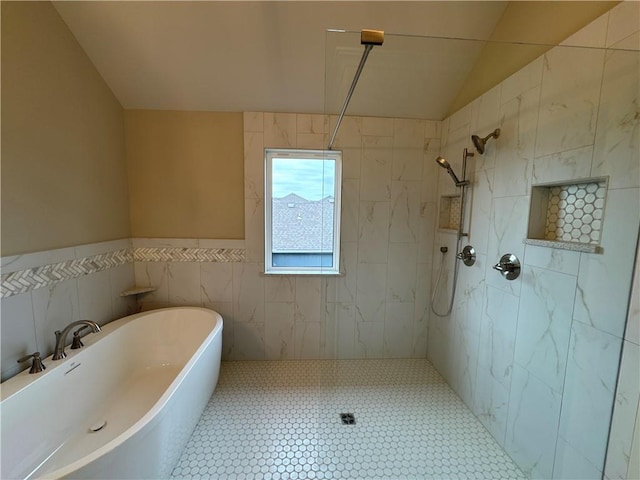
(310, 179)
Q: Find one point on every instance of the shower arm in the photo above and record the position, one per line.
(369, 38)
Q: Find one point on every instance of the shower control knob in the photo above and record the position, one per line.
(508, 266)
(467, 255)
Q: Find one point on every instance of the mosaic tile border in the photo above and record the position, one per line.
(23, 281)
(28, 279)
(176, 254)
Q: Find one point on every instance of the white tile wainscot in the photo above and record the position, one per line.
(82, 282)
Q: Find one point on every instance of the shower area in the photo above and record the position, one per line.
(488, 238)
(453, 244)
(496, 235)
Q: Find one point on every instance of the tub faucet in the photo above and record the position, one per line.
(61, 336)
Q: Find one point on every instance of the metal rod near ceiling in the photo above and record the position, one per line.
(368, 38)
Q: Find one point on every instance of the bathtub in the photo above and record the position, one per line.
(142, 383)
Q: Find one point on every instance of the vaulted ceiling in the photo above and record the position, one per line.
(278, 56)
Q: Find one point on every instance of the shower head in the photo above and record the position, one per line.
(479, 143)
(444, 164)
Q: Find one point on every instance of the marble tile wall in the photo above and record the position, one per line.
(30, 318)
(379, 306)
(537, 358)
(623, 452)
(196, 277)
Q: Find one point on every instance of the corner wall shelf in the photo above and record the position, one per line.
(136, 291)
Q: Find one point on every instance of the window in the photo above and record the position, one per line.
(302, 211)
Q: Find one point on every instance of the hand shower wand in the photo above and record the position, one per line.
(467, 255)
(462, 184)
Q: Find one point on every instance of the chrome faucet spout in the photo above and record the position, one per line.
(61, 336)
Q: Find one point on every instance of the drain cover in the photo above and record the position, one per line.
(348, 418)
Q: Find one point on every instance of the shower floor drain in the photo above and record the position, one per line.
(348, 418)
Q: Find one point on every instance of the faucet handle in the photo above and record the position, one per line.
(76, 343)
(59, 352)
(37, 366)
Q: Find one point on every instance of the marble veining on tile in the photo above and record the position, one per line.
(515, 146)
(617, 141)
(589, 391)
(387, 223)
(544, 324)
(569, 98)
(627, 400)
(532, 423)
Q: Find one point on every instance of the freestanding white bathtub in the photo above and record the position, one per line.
(147, 378)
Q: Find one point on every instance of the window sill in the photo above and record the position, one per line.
(298, 273)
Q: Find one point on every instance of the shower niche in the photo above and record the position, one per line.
(568, 215)
(449, 215)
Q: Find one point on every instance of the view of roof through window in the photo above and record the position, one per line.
(302, 225)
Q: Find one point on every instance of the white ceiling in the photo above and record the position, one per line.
(270, 56)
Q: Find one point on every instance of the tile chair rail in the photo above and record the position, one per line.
(177, 254)
(26, 280)
(23, 281)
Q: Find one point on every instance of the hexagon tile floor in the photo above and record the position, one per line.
(282, 420)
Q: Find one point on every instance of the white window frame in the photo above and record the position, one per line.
(270, 154)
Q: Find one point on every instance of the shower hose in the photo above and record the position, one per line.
(437, 286)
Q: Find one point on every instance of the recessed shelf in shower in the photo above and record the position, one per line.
(449, 215)
(568, 215)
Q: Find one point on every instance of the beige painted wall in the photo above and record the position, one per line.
(185, 174)
(63, 160)
(544, 23)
